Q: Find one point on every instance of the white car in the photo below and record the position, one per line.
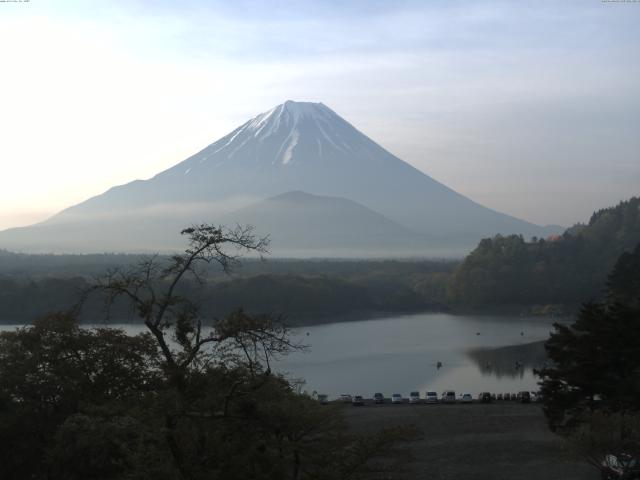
(396, 398)
(466, 398)
(345, 398)
(414, 397)
(431, 397)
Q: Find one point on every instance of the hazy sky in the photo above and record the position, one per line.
(531, 108)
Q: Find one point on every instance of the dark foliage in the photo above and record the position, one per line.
(181, 402)
(306, 291)
(561, 270)
(597, 358)
(54, 370)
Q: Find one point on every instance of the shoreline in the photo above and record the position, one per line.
(362, 316)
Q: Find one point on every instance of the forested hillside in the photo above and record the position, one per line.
(303, 291)
(567, 269)
(504, 273)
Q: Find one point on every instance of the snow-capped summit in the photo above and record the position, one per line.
(285, 135)
(289, 114)
(296, 146)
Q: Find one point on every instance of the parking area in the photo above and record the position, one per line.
(499, 440)
(430, 398)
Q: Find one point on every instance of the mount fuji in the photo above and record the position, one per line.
(362, 199)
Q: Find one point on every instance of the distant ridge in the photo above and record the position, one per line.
(305, 225)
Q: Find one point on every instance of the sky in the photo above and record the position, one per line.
(529, 107)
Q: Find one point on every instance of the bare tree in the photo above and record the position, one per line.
(151, 286)
(218, 384)
(240, 341)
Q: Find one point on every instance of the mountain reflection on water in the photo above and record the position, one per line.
(512, 361)
(429, 351)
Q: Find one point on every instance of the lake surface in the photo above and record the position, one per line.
(400, 354)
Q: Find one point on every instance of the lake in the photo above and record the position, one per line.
(401, 354)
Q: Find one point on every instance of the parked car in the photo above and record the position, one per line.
(378, 398)
(448, 396)
(358, 401)
(485, 397)
(431, 397)
(466, 398)
(345, 398)
(621, 467)
(396, 398)
(525, 397)
(499, 396)
(414, 397)
(323, 398)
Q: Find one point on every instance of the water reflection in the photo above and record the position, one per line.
(422, 352)
(510, 361)
(433, 351)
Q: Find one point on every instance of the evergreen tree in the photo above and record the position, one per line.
(596, 360)
(566, 270)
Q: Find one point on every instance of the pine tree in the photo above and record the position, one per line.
(596, 360)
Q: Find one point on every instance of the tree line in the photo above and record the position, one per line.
(502, 273)
(563, 270)
(304, 291)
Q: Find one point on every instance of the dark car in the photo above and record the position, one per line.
(621, 467)
(358, 401)
(485, 397)
(378, 398)
(524, 397)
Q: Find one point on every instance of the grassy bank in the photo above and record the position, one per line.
(501, 440)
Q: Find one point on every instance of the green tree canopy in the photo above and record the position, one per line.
(567, 269)
(53, 370)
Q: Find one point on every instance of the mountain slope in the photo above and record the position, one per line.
(295, 146)
(304, 225)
